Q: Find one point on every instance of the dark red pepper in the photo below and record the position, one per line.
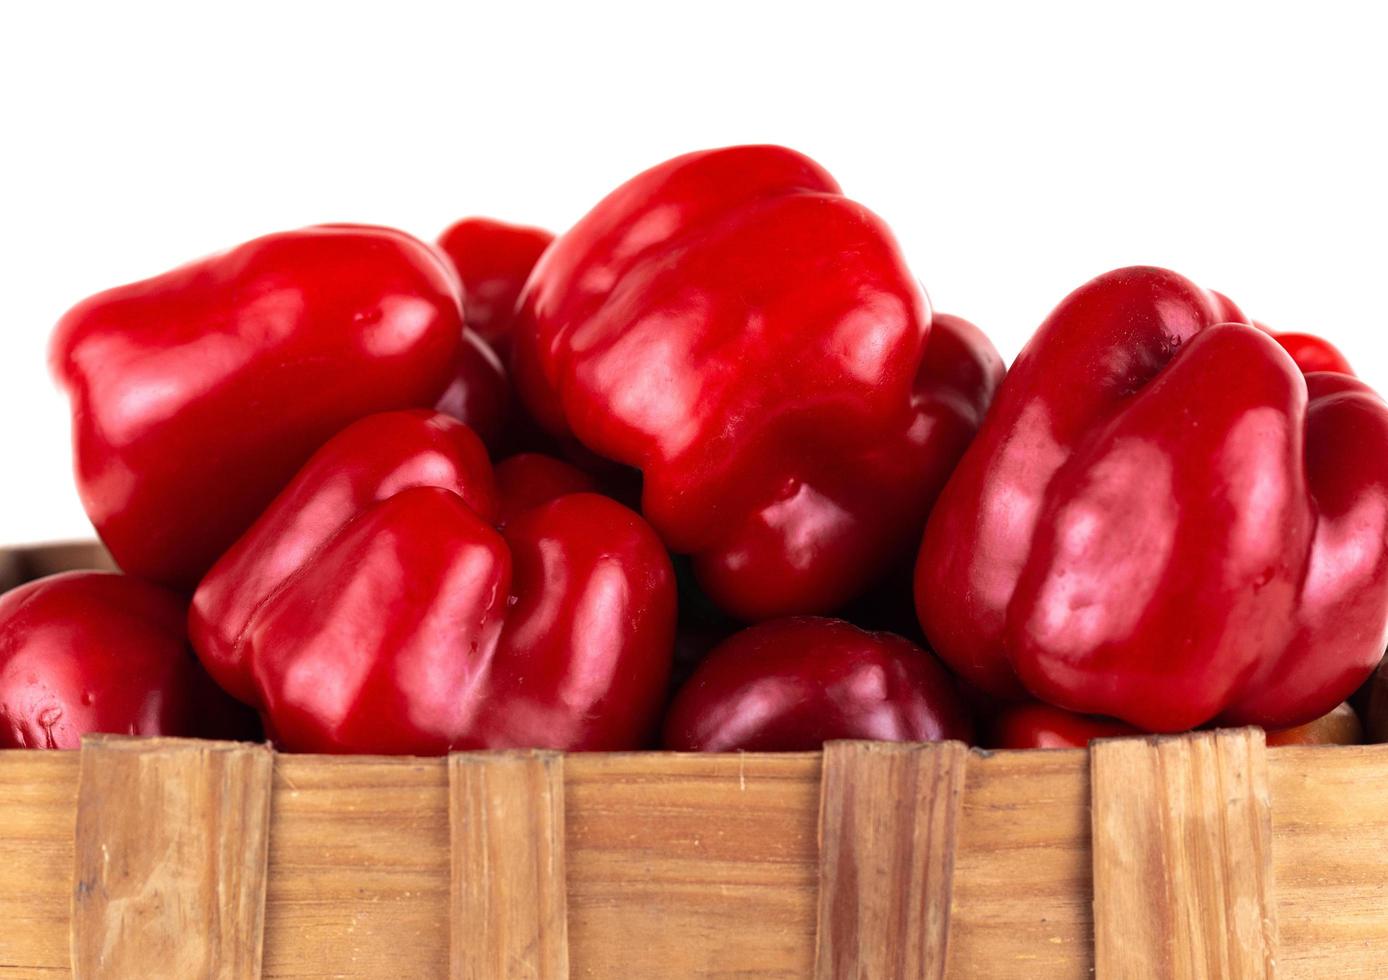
(375, 608)
(1340, 726)
(197, 394)
(1043, 726)
(87, 652)
(492, 259)
(479, 393)
(792, 684)
(751, 340)
(1163, 521)
(529, 479)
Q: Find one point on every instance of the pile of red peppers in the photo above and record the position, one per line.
(705, 472)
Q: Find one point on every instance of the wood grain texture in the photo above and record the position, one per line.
(1330, 860)
(170, 858)
(887, 826)
(1023, 895)
(692, 865)
(510, 915)
(38, 801)
(358, 868)
(1182, 840)
(706, 866)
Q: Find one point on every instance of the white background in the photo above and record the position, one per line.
(1017, 150)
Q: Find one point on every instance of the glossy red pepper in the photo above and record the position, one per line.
(792, 684)
(375, 608)
(87, 652)
(1044, 726)
(492, 259)
(751, 340)
(479, 393)
(197, 394)
(1310, 352)
(1161, 520)
(529, 479)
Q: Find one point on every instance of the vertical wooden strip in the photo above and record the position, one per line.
(171, 847)
(1182, 857)
(510, 910)
(888, 816)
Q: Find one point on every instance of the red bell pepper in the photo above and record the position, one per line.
(529, 479)
(1341, 726)
(492, 260)
(197, 394)
(751, 340)
(1044, 726)
(368, 462)
(375, 608)
(1163, 521)
(86, 652)
(1310, 352)
(790, 685)
(479, 393)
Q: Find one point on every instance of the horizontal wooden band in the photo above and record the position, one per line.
(684, 866)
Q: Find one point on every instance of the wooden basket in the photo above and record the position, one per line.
(1192, 856)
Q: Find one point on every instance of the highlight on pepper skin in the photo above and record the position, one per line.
(1164, 521)
(83, 653)
(492, 260)
(1311, 353)
(751, 340)
(705, 469)
(197, 394)
(792, 684)
(387, 602)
